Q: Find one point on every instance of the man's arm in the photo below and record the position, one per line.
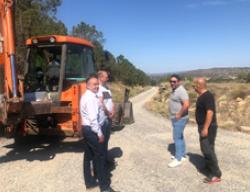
(112, 113)
(104, 106)
(208, 120)
(93, 111)
(184, 108)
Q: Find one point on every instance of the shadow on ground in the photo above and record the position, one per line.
(111, 164)
(41, 148)
(113, 153)
(117, 128)
(196, 159)
(171, 149)
(199, 163)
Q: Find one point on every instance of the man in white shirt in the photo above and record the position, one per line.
(105, 97)
(93, 118)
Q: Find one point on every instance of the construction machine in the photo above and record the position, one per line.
(45, 99)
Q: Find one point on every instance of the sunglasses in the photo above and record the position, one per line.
(172, 81)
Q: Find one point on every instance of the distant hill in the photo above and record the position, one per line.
(227, 72)
(217, 72)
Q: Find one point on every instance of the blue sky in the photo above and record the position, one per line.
(168, 35)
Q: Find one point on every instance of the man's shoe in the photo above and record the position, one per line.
(184, 158)
(91, 185)
(174, 163)
(211, 180)
(109, 190)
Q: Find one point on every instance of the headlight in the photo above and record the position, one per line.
(52, 40)
(34, 41)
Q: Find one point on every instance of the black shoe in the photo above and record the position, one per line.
(109, 190)
(91, 185)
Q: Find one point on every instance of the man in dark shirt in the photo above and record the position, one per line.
(207, 127)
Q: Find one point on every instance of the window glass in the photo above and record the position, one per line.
(79, 62)
(43, 68)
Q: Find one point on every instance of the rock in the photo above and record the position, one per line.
(247, 98)
(238, 99)
(229, 124)
(222, 103)
(222, 98)
(245, 128)
(241, 106)
(192, 109)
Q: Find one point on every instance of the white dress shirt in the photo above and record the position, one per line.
(92, 113)
(107, 97)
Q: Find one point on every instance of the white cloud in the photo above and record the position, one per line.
(205, 3)
(215, 2)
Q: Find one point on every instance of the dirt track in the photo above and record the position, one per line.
(142, 151)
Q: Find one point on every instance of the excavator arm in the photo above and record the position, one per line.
(7, 49)
(9, 97)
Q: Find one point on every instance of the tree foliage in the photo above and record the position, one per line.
(35, 17)
(38, 17)
(88, 32)
(120, 68)
(244, 77)
(129, 74)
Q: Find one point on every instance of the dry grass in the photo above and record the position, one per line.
(119, 88)
(232, 101)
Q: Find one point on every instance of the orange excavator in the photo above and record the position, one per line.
(45, 99)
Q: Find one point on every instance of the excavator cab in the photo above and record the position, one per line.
(53, 66)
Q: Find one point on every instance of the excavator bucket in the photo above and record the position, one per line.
(124, 111)
(2, 116)
(128, 117)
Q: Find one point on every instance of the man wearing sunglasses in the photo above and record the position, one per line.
(178, 112)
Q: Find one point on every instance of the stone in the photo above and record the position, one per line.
(245, 128)
(238, 99)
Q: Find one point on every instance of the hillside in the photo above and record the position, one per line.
(217, 72)
(227, 72)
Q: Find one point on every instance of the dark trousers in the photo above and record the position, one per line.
(94, 151)
(106, 129)
(208, 151)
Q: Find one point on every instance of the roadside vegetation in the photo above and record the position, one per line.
(232, 102)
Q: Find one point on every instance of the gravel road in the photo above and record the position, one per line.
(142, 151)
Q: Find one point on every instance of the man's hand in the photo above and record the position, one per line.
(101, 100)
(111, 115)
(184, 108)
(101, 139)
(177, 116)
(204, 132)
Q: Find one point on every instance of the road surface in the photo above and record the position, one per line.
(142, 152)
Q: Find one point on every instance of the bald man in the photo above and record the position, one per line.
(105, 96)
(207, 127)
